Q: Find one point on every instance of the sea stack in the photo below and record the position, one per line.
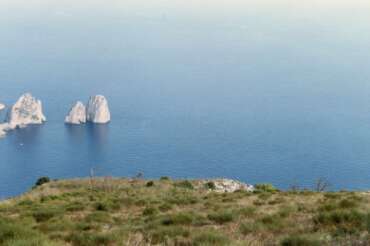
(27, 110)
(77, 114)
(3, 128)
(97, 110)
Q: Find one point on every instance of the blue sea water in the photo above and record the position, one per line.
(260, 91)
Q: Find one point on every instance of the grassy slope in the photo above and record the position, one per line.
(133, 212)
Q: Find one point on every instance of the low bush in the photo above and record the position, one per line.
(148, 211)
(149, 184)
(343, 221)
(249, 228)
(211, 238)
(44, 214)
(222, 217)
(185, 184)
(210, 185)
(247, 211)
(98, 217)
(12, 233)
(265, 188)
(41, 181)
(91, 239)
(346, 204)
(161, 234)
(182, 218)
(297, 240)
(165, 207)
(107, 205)
(164, 178)
(274, 222)
(76, 206)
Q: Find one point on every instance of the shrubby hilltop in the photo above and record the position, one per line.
(107, 211)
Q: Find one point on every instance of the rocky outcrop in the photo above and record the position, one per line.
(2, 106)
(77, 114)
(27, 110)
(3, 128)
(97, 110)
(227, 185)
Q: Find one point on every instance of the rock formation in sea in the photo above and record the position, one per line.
(97, 110)
(77, 114)
(3, 128)
(27, 110)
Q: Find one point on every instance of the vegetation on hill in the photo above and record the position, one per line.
(106, 211)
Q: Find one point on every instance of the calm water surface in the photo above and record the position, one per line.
(261, 91)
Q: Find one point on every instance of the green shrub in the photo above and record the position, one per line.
(150, 211)
(213, 238)
(149, 184)
(278, 200)
(210, 185)
(91, 239)
(26, 202)
(247, 211)
(346, 204)
(44, 214)
(161, 234)
(178, 219)
(285, 211)
(264, 196)
(297, 240)
(141, 202)
(344, 221)
(165, 207)
(328, 207)
(331, 195)
(106, 206)
(222, 217)
(265, 188)
(272, 222)
(98, 217)
(248, 228)
(41, 181)
(182, 199)
(185, 184)
(12, 233)
(164, 178)
(259, 203)
(77, 206)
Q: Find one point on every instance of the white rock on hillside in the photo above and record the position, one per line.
(77, 114)
(97, 110)
(229, 185)
(2, 106)
(27, 110)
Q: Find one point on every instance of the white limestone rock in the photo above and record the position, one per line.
(3, 128)
(229, 185)
(77, 114)
(97, 110)
(27, 110)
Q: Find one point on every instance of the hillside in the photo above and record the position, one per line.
(108, 211)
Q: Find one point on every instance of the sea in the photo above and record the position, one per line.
(262, 91)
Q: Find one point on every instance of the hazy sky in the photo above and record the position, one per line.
(42, 39)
